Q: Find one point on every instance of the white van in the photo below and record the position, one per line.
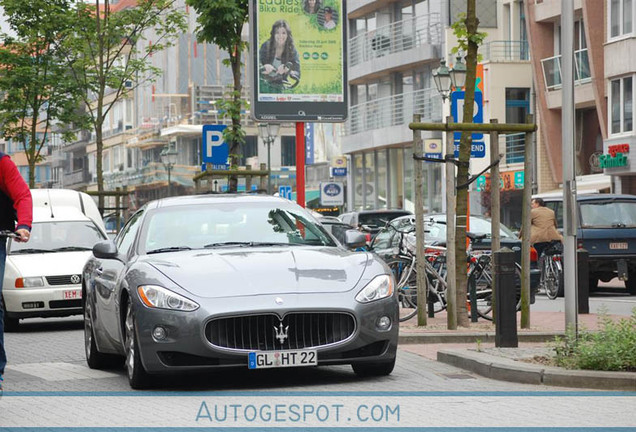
(42, 277)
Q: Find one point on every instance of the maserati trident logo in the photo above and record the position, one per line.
(281, 332)
(75, 279)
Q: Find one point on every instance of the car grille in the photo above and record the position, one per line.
(259, 332)
(64, 280)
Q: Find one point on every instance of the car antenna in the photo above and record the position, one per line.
(48, 193)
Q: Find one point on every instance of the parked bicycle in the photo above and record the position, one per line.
(551, 267)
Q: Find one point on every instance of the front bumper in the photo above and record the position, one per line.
(187, 348)
(58, 301)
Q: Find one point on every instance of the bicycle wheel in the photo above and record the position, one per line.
(436, 275)
(406, 285)
(481, 276)
(550, 278)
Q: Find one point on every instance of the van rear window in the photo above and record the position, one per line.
(608, 214)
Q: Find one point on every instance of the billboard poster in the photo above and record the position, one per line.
(299, 60)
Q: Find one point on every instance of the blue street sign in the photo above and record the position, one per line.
(433, 155)
(309, 143)
(477, 149)
(338, 171)
(215, 150)
(285, 191)
(457, 111)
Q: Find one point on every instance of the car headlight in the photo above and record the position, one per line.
(154, 296)
(380, 287)
(29, 282)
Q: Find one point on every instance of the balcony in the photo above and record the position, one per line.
(396, 37)
(552, 70)
(513, 146)
(76, 178)
(394, 111)
(506, 51)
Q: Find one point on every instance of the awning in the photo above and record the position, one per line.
(310, 195)
(182, 129)
(592, 183)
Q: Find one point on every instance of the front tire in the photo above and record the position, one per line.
(630, 284)
(94, 358)
(374, 369)
(137, 376)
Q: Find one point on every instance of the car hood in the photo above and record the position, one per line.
(49, 264)
(246, 272)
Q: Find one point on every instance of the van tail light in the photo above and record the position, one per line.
(579, 244)
(534, 256)
(368, 237)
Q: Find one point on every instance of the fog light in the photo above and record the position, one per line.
(159, 333)
(384, 323)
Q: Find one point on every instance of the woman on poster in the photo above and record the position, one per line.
(312, 6)
(279, 58)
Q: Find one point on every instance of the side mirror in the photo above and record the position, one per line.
(105, 249)
(355, 239)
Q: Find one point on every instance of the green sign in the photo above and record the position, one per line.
(609, 161)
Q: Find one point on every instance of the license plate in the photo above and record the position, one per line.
(276, 359)
(72, 294)
(618, 245)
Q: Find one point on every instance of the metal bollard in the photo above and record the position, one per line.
(583, 283)
(472, 295)
(506, 299)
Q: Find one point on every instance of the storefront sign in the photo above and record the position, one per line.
(616, 156)
(509, 180)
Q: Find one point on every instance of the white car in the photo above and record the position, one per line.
(43, 277)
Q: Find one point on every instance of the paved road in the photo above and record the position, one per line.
(611, 297)
(49, 385)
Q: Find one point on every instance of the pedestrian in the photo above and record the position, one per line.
(15, 204)
(543, 226)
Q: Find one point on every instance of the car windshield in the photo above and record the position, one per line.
(436, 230)
(608, 214)
(378, 220)
(59, 236)
(228, 224)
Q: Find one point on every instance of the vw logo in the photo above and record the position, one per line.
(75, 279)
(279, 301)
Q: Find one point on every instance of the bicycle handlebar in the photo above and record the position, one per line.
(9, 234)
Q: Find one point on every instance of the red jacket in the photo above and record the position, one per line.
(13, 186)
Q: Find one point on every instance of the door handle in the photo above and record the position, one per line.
(99, 271)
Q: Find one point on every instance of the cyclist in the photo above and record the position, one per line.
(543, 226)
(15, 203)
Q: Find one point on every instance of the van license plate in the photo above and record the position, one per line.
(275, 359)
(618, 245)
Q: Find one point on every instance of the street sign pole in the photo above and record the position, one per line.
(300, 163)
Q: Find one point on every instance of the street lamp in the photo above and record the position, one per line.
(268, 133)
(168, 159)
(442, 78)
(458, 73)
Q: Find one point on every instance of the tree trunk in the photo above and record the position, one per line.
(462, 172)
(235, 145)
(99, 144)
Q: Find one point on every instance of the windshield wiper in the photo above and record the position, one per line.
(29, 251)
(169, 249)
(71, 248)
(249, 244)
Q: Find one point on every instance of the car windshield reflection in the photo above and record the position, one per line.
(226, 225)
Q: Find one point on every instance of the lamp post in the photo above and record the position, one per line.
(168, 159)
(268, 133)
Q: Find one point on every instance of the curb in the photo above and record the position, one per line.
(503, 369)
(470, 337)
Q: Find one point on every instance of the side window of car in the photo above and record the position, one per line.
(128, 233)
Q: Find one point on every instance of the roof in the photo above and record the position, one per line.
(591, 197)
(215, 199)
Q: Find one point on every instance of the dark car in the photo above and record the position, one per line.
(386, 243)
(208, 282)
(336, 227)
(371, 222)
(607, 230)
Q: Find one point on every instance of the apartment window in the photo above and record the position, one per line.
(622, 105)
(288, 150)
(620, 18)
(517, 108)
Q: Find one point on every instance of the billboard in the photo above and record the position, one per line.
(298, 60)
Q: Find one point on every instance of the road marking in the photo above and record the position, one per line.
(60, 371)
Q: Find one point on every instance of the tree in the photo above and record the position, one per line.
(221, 22)
(38, 93)
(468, 39)
(108, 52)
